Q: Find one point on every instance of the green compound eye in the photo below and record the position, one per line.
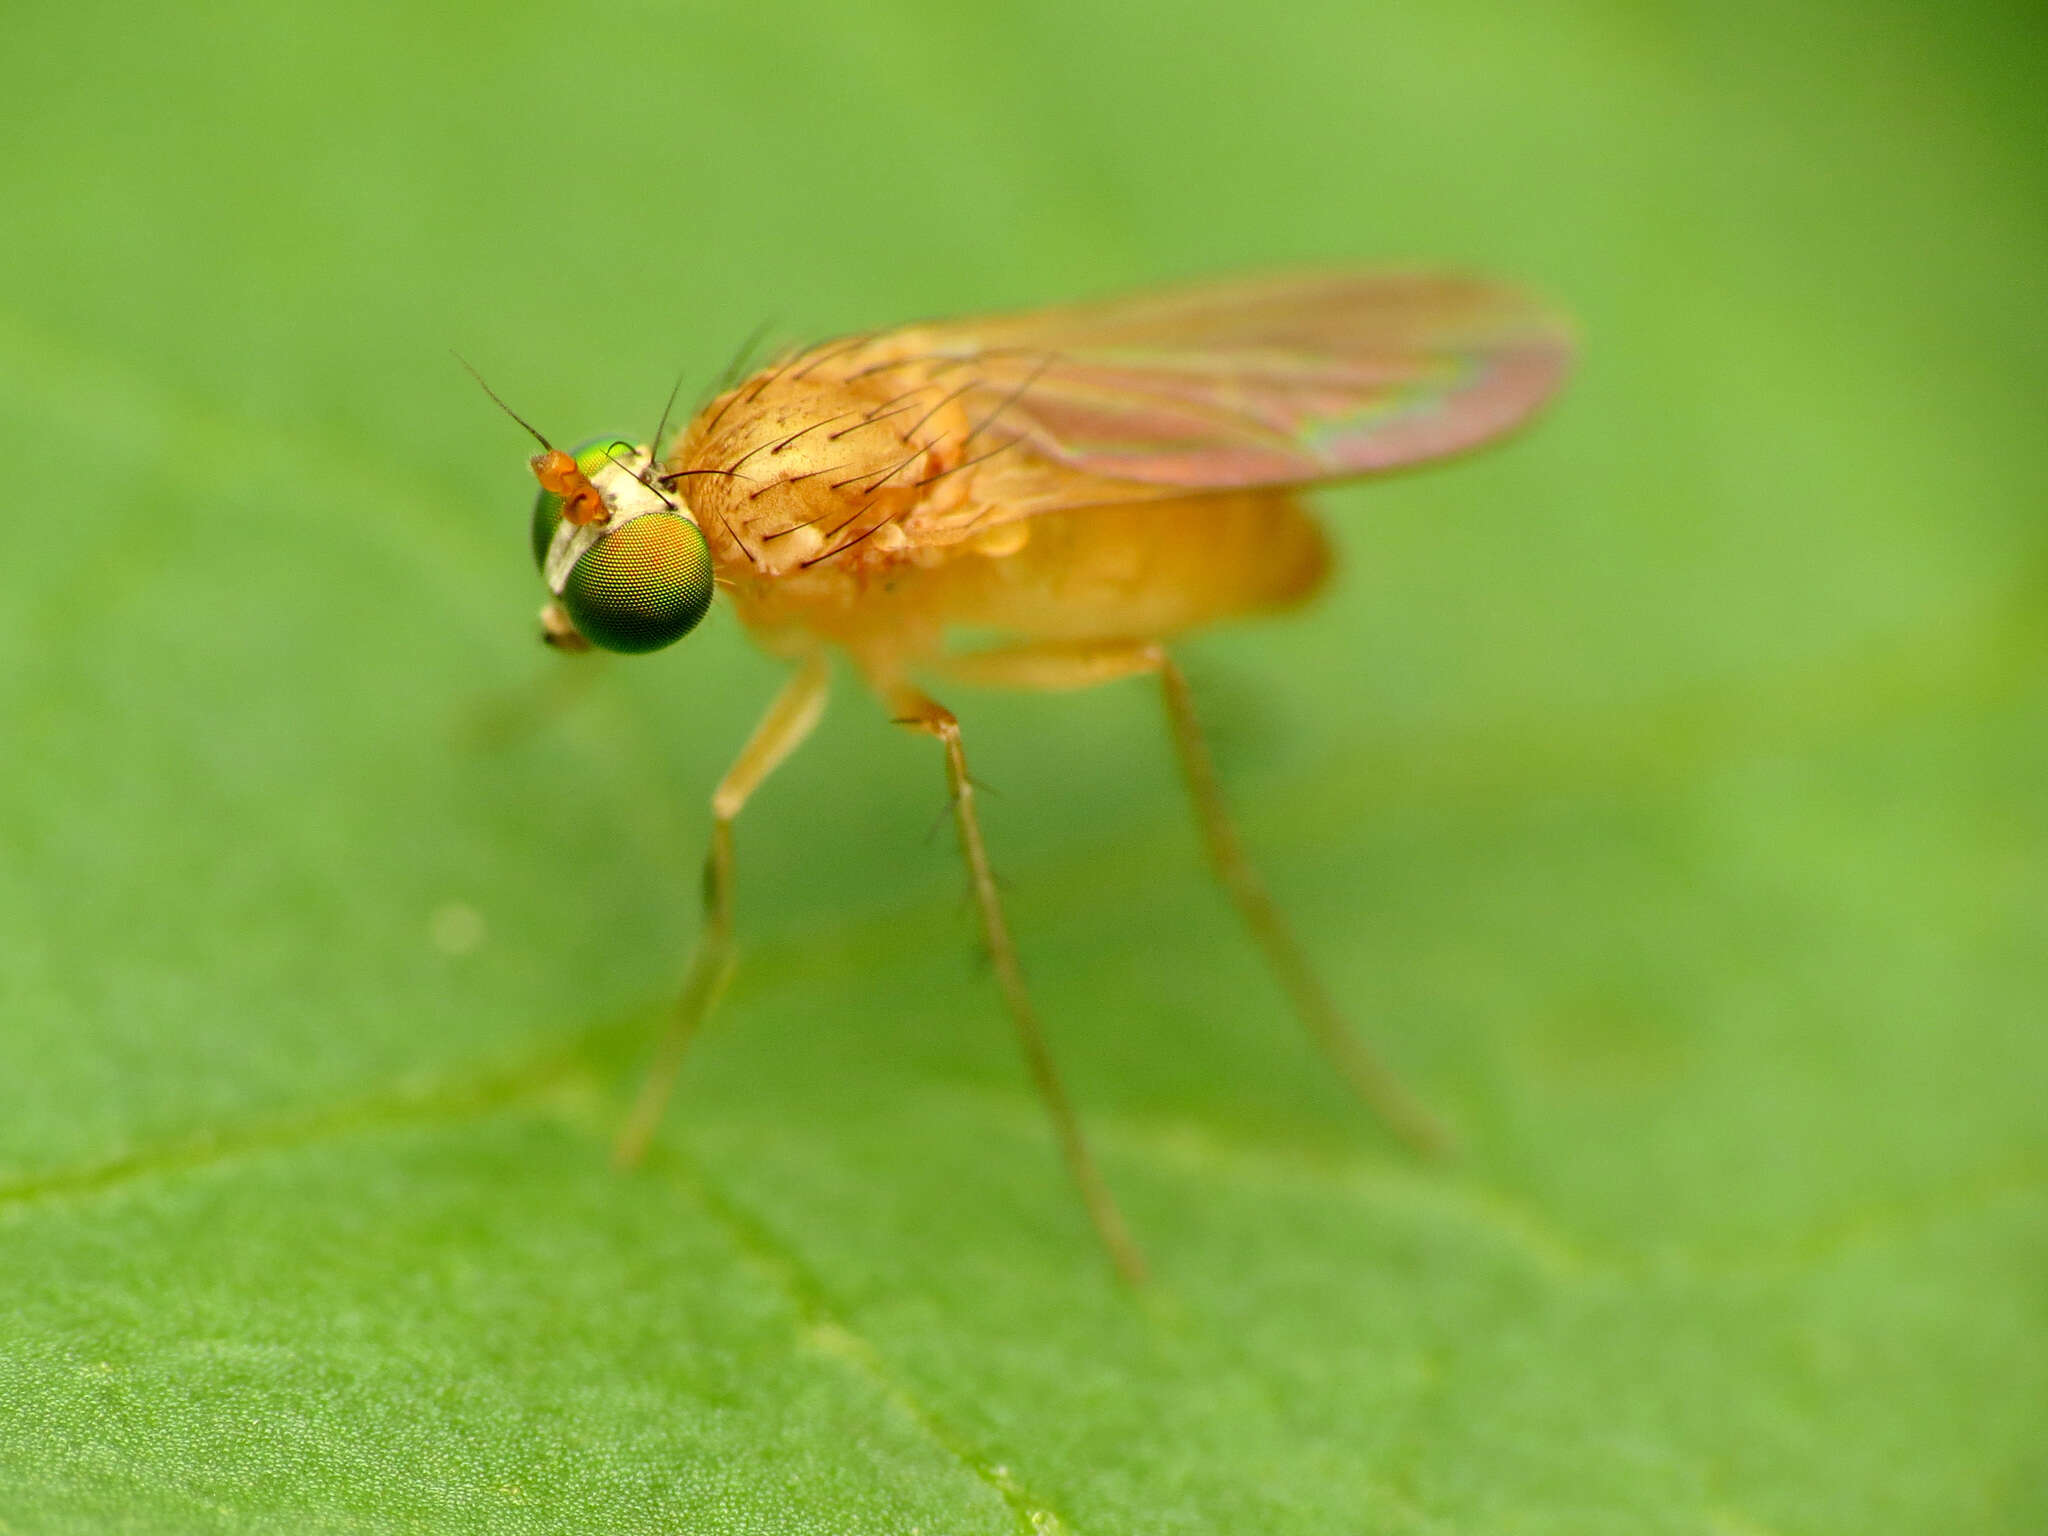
(547, 506)
(642, 586)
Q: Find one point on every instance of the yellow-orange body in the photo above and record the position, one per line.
(1036, 501)
(846, 500)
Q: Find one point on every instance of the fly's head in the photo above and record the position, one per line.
(625, 566)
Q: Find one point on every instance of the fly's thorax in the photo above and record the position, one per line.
(787, 473)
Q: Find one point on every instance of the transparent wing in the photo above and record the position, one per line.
(1265, 382)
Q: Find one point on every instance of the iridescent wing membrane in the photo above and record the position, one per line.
(1265, 382)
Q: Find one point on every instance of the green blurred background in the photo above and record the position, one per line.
(1667, 793)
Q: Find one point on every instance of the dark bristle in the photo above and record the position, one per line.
(1011, 398)
(734, 467)
(638, 478)
(944, 401)
(673, 475)
(730, 375)
(661, 426)
(783, 533)
(883, 412)
(979, 458)
(733, 534)
(885, 476)
(840, 549)
(759, 491)
(825, 352)
(770, 377)
(825, 421)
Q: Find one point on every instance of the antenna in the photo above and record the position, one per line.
(530, 427)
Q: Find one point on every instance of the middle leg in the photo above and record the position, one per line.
(918, 712)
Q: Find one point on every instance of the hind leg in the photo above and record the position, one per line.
(1053, 667)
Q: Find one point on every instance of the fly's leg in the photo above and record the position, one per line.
(1082, 666)
(782, 730)
(919, 713)
(1359, 1065)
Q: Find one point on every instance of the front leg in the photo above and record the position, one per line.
(782, 730)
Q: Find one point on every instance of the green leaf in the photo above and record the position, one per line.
(1666, 794)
